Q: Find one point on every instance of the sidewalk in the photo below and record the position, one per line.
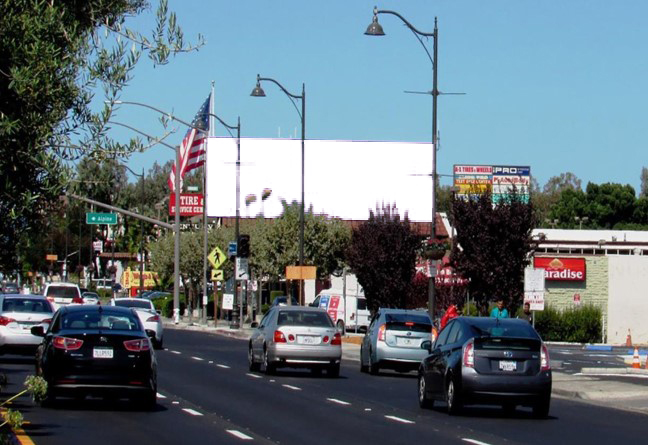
(590, 385)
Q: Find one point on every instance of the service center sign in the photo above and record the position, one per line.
(561, 269)
(191, 204)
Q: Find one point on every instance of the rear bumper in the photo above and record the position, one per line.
(18, 339)
(395, 357)
(497, 389)
(304, 356)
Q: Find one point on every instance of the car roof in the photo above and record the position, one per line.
(294, 308)
(389, 310)
(95, 308)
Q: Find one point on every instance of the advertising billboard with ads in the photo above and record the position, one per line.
(500, 180)
(561, 269)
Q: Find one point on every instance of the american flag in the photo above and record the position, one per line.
(194, 145)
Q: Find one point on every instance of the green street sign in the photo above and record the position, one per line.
(101, 218)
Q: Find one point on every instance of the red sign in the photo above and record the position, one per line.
(191, 204)
(561, 269)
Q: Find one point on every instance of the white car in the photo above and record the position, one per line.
(147, 314)
(18, 313)
(60, 294)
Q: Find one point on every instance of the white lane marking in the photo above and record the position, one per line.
(175, 402)
(160, 396)
(197, 358)
(254, 375)
(398, 419)
(272, 380)
(175, 352)
(473, 441)
(222, 366)
(340, 402)
(211, 361)
(239, 434)
(191, 411)
(294, 388)
(367, 409)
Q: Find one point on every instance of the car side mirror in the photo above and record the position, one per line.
(150, 333)
(158, 312)
(254, 325)
(427, 345)
(38, 331)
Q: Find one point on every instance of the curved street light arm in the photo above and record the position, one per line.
(152, 138)
(291, 96)
(408, 24)
(228, 127)
(169, 115)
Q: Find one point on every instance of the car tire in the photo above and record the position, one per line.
(363, 368)
(268, 368)
(333, 371)
(453, 399)
(541, 407)
(340, 327)
(254, 366)
(374, 368)
(424, 401)
(158, 344)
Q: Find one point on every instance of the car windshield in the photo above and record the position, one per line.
(408, 322)
(103, 320)
(133, 302)
(304, 318)
(62, 291)
(26, 305)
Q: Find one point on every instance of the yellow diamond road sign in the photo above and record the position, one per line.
(216, 258)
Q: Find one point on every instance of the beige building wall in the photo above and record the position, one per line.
(628, 300)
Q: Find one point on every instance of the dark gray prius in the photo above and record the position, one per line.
(480, 360)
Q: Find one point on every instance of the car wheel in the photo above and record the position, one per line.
(340, 327)
(363, 367)
(374, 368)
(452, 398)
(317, 371)
(159, 344)
(541, 407)
(424, 401)
(333, 371)
(254, 367)
(268, 367)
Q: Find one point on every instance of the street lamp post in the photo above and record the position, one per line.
(258, 92)
(375, 29)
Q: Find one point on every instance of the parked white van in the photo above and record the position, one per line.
(352, 316)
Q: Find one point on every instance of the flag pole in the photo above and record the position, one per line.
(205, 296)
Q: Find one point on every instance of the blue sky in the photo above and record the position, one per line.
(561, 86)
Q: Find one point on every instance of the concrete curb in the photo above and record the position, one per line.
(599, 371)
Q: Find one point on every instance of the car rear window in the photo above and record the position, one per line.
(146, 304)
(26, 305)
(362, 304)
(304, 318)
(489, 327)
(103, 321)
(62, 291)
(408, 322)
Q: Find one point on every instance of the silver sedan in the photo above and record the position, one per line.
(295, 337)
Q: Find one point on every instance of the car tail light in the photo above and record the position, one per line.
(337, 339)
(66, 343)
(545, 365)
(279, 337)
(4, 321)
(77, 300)
(47, 320)
(155, 318)
(325, 339)
(381, 332)
(409, 323)
(469, 355)
(291, 337)
(141, 344)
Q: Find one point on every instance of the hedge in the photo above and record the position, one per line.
(577, 324)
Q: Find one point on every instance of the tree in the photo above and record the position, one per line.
(382, 255)
(494, 242)
(275, 245)
(609, 205)
(644, 182)
(53, 61)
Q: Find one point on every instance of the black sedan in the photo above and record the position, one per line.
(97, 350)
(479, 360)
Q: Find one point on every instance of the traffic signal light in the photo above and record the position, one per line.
(243, 247)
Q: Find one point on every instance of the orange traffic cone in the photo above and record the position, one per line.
(646, 361)
(635, 359)
(629, 340)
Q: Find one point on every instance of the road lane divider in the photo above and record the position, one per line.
(239, 434)
(175, 352)
(161, 396)
(399, 419)
(222, 366)
(249, 374)
(474, 441)
(339, 402)
(294, 388)
(198, 358)
(193, 412)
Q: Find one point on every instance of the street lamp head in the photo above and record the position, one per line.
(258, 91)
(374, 29)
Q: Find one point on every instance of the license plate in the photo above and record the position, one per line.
(507, 365)
(405, 341)
(308, 339)
(102, 353)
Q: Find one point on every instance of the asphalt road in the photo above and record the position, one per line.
(208, 396)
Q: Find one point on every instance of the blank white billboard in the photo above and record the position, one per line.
(343, 179)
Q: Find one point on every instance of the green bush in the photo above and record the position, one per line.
(265, 308)
(577, 324)
(276, 293)
(470, 310)
(167, 310)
